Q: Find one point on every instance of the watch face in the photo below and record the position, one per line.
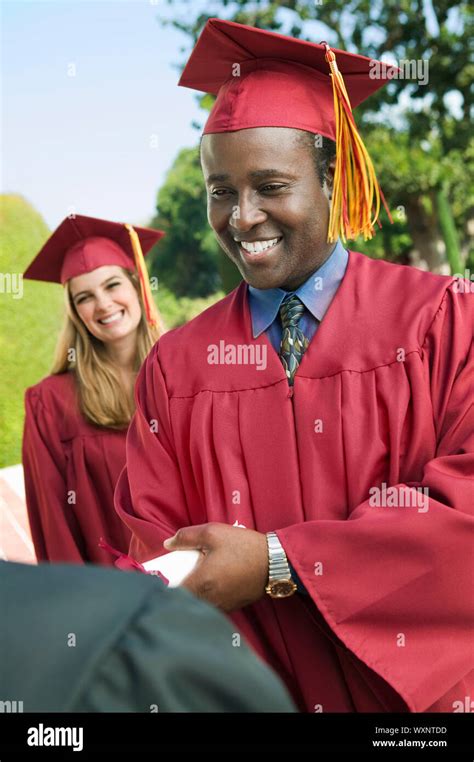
(282, 588)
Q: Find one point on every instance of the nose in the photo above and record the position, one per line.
(245, 215)
(103, 303)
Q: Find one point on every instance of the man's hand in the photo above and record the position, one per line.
(234, 569)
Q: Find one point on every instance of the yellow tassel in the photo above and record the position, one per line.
(152, 315)
(356, 193)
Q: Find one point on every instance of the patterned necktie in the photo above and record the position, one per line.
(293, 341)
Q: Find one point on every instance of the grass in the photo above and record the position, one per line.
(28, 325)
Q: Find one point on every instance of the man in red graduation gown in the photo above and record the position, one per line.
(313, 432)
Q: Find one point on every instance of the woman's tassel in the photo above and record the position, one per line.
(151, 312)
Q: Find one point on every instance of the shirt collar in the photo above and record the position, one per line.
(316, 293)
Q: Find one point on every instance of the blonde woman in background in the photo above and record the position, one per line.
(77, 418)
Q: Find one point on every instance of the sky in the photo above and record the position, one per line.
(91, 115)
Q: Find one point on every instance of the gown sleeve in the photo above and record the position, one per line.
(54, 528)
(395, 584)
(149, 495)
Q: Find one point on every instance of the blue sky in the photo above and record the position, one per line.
(91, 115)
(87, 142)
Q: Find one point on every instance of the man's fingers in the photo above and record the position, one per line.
(187, 538)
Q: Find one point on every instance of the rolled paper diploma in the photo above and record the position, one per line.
(175, 566)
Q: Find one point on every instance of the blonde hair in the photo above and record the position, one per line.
(102, 397)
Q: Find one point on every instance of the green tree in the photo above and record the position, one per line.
(186, 260)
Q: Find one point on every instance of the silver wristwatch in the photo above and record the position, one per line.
(280, 583)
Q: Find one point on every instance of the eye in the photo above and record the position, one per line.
(219, 192)
(82, 299)
(112, 285)
(272, 187)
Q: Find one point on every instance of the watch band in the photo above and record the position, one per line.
(278, 567)
(280, 583)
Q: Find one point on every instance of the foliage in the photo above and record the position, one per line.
(186, 260)
(179, 310)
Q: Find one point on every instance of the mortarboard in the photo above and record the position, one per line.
(265, 79)
(81, 244)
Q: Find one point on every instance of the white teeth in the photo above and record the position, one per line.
(112, 318)
(256, 247)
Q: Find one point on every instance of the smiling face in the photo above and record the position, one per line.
(266, 204)
(107, 303)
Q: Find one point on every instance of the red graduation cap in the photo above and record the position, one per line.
(81, 244)
(264, 79)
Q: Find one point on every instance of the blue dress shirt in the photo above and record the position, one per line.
(316, 293)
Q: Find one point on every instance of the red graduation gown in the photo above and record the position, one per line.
(70, 469)
(384, 393)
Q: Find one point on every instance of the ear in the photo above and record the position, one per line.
(329, 179)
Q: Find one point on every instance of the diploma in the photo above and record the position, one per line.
(175, 566)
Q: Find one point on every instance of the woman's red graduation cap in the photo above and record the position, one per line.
(265, 79)
(81, 244)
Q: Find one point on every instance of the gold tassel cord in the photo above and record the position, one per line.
(151, 312)
(356, 195)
